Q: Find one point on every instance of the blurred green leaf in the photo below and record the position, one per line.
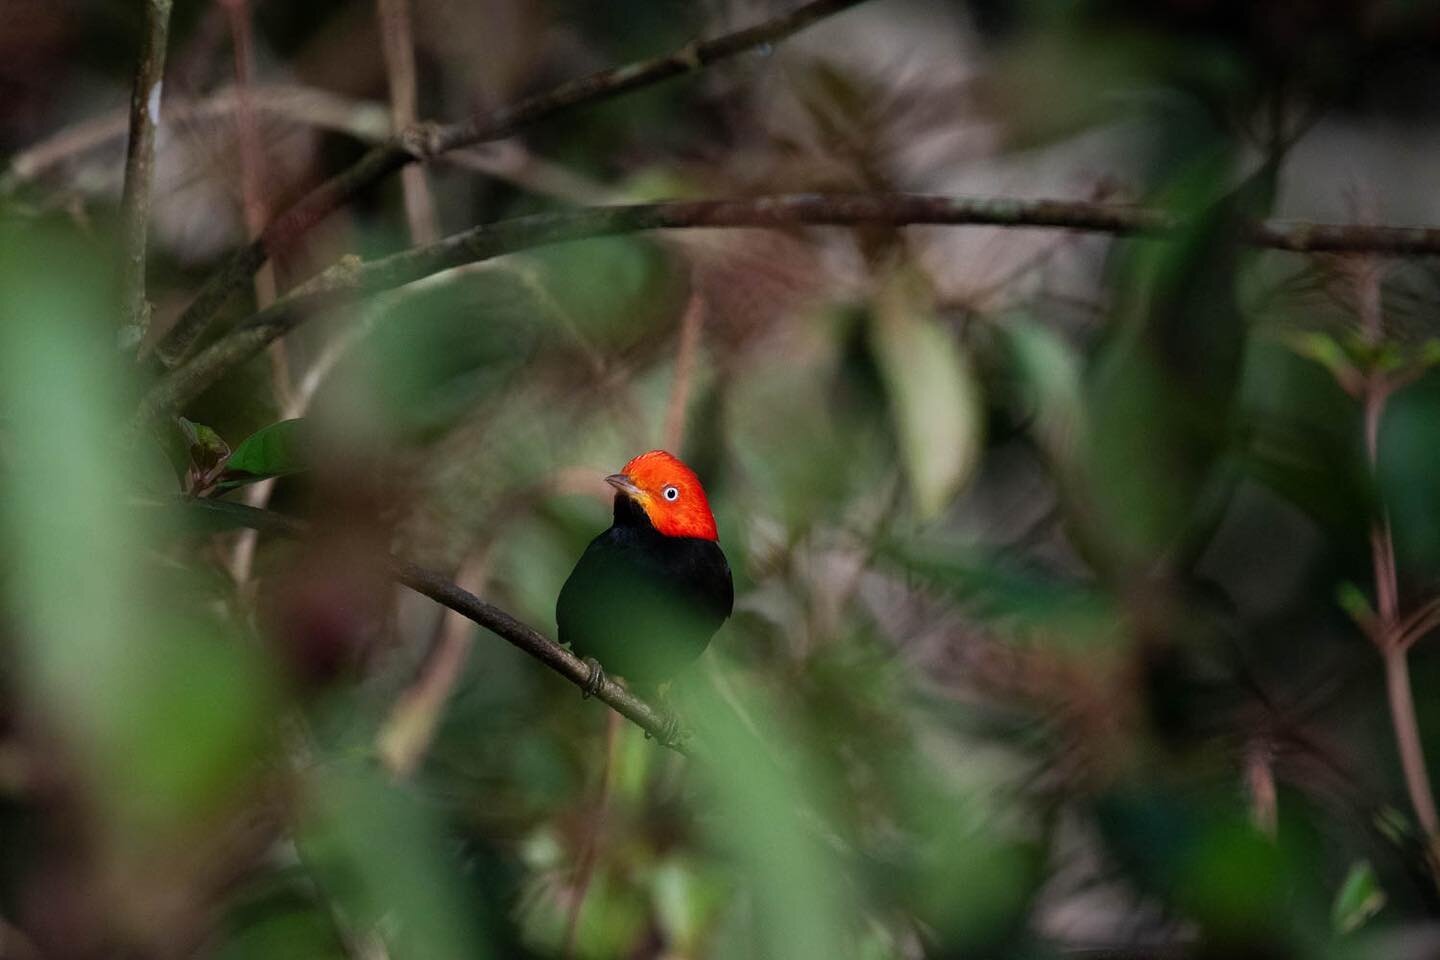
(1355, 603)
(765, 799)
(159, 703)
(1359, 898)
(1049, 375)
(273, 451)
(1326, 351)
(1161, 397)
(1409, 472)
(378, 850)
(934, 396)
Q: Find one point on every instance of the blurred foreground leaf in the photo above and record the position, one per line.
(1162, 392)
(380, 853)
(934, 396)
(161, 712)
(766, 798)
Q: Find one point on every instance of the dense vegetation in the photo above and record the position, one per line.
(1061, 376)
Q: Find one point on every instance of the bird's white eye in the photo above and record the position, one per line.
(671, 493)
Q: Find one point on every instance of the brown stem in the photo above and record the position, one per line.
(1407, 738)
(1390, 630)
(423, 142)
(507, 236)
(140, 164)
(1260, 781)
(399, 49)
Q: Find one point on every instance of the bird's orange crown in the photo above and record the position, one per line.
(669, 493)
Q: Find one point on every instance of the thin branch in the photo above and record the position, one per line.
(1390, 628)
(425, 141)
(140, 164)
(1420, 622)
(440, 589)
(508, 236)
(411, 726)
(685, 350)
(1407, 739)
(399, 50)
(253, 178)
(362, 119)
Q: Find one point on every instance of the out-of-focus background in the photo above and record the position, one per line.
(1084, 582)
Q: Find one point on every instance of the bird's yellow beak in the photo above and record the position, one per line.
(626, 486)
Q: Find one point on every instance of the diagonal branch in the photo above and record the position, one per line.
(425, 141)
(440, 589)
(140, 164)
(508, 236)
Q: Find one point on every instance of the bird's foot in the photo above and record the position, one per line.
(595, 680)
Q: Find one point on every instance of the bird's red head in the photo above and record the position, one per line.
(669, 493)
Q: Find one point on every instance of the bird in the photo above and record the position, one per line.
(648, 594)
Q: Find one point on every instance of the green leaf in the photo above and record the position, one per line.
(207, 450)
(272, 451)
(380, 852)
(1358, 899)
(1354, 602)
(1048, 372)
(1326, 351)
(934, 398)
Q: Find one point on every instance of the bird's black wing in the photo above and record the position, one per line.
(644, 606)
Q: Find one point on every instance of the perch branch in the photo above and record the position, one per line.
(508, 236)
(440, 589)
(423, 141)
(140, 164)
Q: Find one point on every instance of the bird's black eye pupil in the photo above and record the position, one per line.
(672, 494)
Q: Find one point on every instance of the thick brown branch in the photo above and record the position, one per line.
(140, 163)
(440, 589)
(425, 141)
(507, 236)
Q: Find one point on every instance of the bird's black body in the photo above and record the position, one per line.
(644, 604)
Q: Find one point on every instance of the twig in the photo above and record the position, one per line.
(364, 120)
(140, 164)
(685, 350)
(438, 588)
(254, 205)
(361, 119)
(1390, 629)
(411, 725)
(425, 141)
(1260, 782)
(399, 49)
(508, 236)
(256, 212)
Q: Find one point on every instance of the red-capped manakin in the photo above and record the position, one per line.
(648, 593)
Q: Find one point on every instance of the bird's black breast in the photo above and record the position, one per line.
(643, 604)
